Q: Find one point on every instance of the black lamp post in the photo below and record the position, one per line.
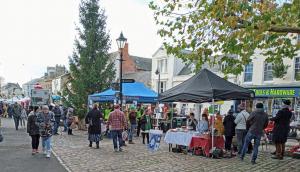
(158, 84)
(121, 41)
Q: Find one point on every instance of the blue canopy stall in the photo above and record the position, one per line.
(131, 92)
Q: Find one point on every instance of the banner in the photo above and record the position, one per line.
(155, 137)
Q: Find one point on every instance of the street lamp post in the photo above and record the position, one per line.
(121, 41)
(158, 84)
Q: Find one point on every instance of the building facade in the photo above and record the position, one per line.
(28, 86)
(11, 90)
(59, 83)
(133, 67)
(258, 76)
(174, 71)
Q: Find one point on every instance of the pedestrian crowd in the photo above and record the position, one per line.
(41, 122)
(246, 128)
(110, 120)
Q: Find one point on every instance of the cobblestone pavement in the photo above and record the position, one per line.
(75, 153)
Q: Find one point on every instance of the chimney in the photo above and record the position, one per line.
(125, 50)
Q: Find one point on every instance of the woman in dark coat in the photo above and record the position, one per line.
(229, 129)
(33, 130)
(281, 129)
(93, 119)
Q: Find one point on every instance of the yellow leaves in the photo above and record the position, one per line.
(245, 15)
(231, 21)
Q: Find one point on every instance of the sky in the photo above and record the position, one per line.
(35, 34)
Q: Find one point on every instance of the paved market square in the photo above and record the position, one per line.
(78, 157)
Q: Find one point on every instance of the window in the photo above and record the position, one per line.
(268, 72)
(162, 86)
(162, 65)
(248, 72)
(297, 68)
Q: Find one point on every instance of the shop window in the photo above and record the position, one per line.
(297, 68)
(162, 86)
(268, 72)
(248, 72)
(162, 65)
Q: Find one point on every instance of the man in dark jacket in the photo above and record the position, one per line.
(229, 129)
(57, 114)
(281, 129)
(256, 123)
(133, 122)
(16, 113)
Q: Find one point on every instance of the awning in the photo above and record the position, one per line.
(131, 92)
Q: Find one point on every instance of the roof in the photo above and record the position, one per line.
(143, 77)
(33, 81)
(186, 70)
(142, 63)
(11, 85)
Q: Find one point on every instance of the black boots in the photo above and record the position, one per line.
(97, 145)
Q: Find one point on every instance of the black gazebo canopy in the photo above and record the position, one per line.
(205, 87)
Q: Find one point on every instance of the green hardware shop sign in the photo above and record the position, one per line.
(276, 92)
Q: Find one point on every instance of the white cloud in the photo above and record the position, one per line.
(35, 34)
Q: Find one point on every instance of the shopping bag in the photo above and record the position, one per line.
(124, 135)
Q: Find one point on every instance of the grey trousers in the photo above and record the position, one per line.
(240, 137)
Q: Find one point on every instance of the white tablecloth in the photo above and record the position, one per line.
(179, 138)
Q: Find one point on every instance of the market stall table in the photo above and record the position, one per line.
(205, 143)
(182, 138)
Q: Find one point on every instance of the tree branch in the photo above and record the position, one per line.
(277, 29)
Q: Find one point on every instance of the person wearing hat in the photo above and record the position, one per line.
(240, 128)
(257, 122)
(229, 130)
(281, 129)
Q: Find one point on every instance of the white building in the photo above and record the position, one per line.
(28, 86)
(58, 83)
(258, 75)
(174, 71)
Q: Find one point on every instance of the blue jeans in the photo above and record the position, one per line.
(117, 137)
(131, 131)
(248, 139)
(65, 125)
(17, 122)
(56, 125)
(46, 142)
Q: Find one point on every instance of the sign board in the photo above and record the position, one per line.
(128, 80)
(276, 92)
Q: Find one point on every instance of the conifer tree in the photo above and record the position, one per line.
(90, 66)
